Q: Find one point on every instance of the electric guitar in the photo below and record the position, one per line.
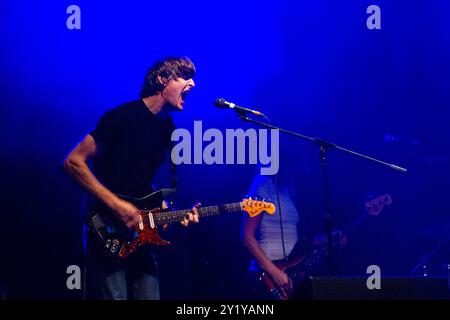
(299, 266)
(120, 241)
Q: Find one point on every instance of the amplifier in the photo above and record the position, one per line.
(392, 288)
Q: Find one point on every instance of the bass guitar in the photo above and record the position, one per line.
(299, 266)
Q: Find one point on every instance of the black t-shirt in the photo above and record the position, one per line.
(132, 143)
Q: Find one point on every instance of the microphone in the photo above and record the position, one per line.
(222, 103)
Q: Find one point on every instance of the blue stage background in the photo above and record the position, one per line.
(311, 66)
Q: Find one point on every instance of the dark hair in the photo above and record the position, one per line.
(169, 68)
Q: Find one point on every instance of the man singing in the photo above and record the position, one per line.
(127, 146)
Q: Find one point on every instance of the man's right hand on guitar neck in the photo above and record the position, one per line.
(127, 213)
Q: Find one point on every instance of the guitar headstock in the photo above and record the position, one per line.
(254, 207)
(375, 206)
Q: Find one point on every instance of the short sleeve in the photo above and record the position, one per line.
(262, 186)
(107, 128)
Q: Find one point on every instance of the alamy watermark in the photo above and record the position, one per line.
(373, 22)
(374, 280)
(236, 147)
(73, 21)
(74, 279)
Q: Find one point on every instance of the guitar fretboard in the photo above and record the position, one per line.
(303, 269)
(179, 215)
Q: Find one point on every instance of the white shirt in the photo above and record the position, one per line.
(269, 233)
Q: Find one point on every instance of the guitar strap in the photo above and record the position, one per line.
(277, 186)
(173, 174)
(173, 168)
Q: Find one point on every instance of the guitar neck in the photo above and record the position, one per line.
(179, 215)
(308, 264)
(356, 223)
(303, 269)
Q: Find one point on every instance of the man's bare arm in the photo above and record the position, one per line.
(76, 166)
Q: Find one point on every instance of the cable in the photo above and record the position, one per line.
(280, 216)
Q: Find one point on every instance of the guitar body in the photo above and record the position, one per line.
(120, 241)
(291, 263)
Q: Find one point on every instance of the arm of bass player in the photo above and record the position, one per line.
(249, 227)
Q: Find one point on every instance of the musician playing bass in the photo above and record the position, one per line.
(268, 239)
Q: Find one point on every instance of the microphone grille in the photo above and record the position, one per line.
(220, 102)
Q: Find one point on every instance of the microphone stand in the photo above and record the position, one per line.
(324, 147)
